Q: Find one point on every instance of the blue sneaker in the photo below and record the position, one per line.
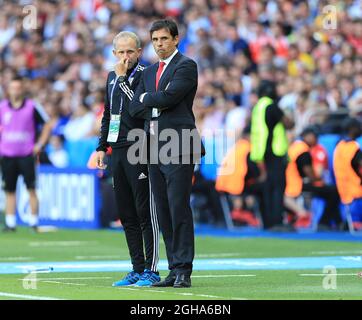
(148, 278)
(129, 280)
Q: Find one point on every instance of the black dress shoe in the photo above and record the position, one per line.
(168, 282)
(182, 281)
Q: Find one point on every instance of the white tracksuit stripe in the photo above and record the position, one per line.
(126, 90)
(155, 229)
(156, 235)
(157, 232)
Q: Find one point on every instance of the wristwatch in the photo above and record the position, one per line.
(122, 78)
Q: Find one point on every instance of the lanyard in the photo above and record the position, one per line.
(114, 85)
(133, 72)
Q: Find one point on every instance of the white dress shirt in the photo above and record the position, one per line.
(155, 111)
(167, 61)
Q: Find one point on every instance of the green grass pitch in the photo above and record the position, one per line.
(74, 246)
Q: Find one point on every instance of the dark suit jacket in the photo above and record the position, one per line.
(174, 97)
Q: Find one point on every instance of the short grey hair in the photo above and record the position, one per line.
(127, 34)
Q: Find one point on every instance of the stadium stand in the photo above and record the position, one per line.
(66, 57)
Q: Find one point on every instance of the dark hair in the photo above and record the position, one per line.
(267, 89)
(167, 24)
(350, 123)
(309, 130)
(18, 78)
(247, 129)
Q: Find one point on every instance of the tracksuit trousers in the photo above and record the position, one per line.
(137, 210)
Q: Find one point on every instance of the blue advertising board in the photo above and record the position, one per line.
(68, 198)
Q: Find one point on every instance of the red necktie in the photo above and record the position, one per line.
(159, 72)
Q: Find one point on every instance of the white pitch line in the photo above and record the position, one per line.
(178, 293)
(217, 255)
(25, 296)
(16, 258)
(207, 296)
(84, 278)
(96, 257)
(146, 289)
(131, 289)
(66, 283)
(61, 243)
(201, 276)
(338, 252)
(153, 290)
(327, 274)
(224, 275)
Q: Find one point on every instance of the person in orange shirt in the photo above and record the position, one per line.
(298, 213)
(301, 177)
(348, 169)
(240, 178)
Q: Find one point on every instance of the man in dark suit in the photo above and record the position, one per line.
(164, 99)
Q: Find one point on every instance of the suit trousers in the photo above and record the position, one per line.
(274, 191)
(171, 187)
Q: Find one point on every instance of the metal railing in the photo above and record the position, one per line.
(324, 112)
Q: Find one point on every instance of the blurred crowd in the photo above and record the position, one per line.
(311, 49)
(314, 53)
